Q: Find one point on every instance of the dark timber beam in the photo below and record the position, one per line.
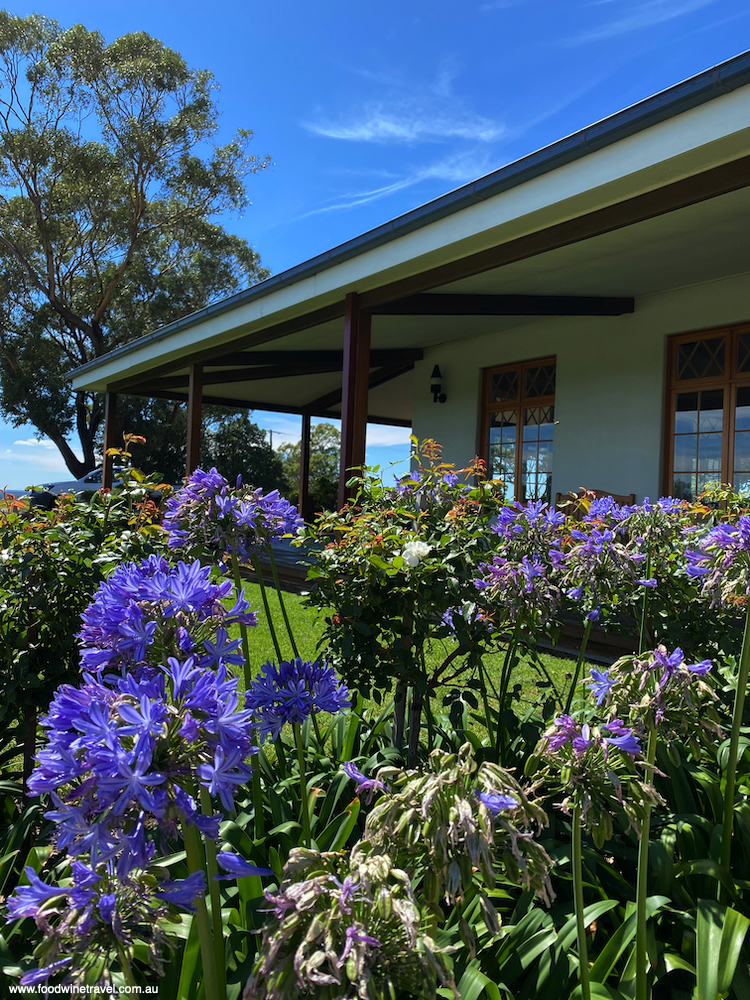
(505, 305)
(245, 375)
(356, 375)
(195, 404)
(110, 434)
(253, 404)
(334, 358)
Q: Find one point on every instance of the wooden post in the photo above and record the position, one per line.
(195, 401)
(354, 395)
(110, 432)
(303, 504)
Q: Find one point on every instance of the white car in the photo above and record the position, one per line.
(89, 483)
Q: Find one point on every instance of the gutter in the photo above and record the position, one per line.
(696, 90)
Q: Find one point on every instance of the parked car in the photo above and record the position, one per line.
(89, 483)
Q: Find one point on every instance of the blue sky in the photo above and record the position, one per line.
(369, 109)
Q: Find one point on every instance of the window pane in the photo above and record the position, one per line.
(701, 359)
(504, 387)
(742, 451)
(742, 412)
(536, 479)
(743, 352)
(742, 483)
(709, 453)
(712, 410)
(502, 456)
(540, 381)
(686, 415)
(683, 486)
(704, 478)
(685, 452)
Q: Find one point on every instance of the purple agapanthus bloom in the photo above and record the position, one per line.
(45, 972)
(209, 515)
(600, 684)
(497, 802)
(183, 892)
(29, 898)
(720, 561)
(238, 867)
(370, 785)
(356, 935)
(291, 692)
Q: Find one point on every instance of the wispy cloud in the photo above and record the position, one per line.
(382, 124)
(35, 443)
(382, 436)
(642, 16)
(454, 170)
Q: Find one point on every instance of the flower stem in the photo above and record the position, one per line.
(213, 888)
(247, 673)
(641, 950)
(277, 584)
(583, 954)
(504, 683)
(731, 770)
(125, 966)
(302, 784)
(579, 664)
(196, 863)
(644, 607)
(264, 595)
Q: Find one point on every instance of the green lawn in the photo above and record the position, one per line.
(307, 625)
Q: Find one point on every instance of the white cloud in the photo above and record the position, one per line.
(383, 125)
(644, 15)
(455, 170)
(36, 443)
(381, 435)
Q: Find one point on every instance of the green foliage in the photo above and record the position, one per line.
(109, 188)
(233, 443)
(51, 562)
(325, 450)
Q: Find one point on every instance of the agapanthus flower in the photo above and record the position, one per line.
(600, 684)
(291, 692)
(583, 737)
(523, 589)
(496, 802)
(364, 784)
(238, 867)
(720, 561)
(208, 515)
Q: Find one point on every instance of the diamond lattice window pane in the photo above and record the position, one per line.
(540, 381)
(701, 358)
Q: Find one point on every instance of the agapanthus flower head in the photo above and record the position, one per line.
(720, 561)
(291, 692)
(496, 802)
(519, 589)
(208, 515)
(600, 684)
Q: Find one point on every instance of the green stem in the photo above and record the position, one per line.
(277, 584)
(248, 675)
(583, 954)
(264, 595)
(247, 672)
(641, 948)
(213, 888)
(739, 707)
(483, 680)
(504, 683)
(125, 966)
(644, 607)
(579, 664)
(302, 784)
(195, 861)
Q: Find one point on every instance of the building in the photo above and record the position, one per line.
(589, 302)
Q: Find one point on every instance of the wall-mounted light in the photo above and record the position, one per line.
(438, 396)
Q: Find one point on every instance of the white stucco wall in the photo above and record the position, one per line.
(610, 384)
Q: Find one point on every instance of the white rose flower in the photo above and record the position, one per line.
(413, 552)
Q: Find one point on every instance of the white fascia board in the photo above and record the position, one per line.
(696, 140)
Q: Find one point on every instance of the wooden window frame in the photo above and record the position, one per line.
(729, 382)
(518, 405)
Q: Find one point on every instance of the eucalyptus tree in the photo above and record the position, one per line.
(110, 186)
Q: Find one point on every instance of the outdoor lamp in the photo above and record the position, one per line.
(438, 396)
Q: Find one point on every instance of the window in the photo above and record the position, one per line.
(708, 427)
(518, 419)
